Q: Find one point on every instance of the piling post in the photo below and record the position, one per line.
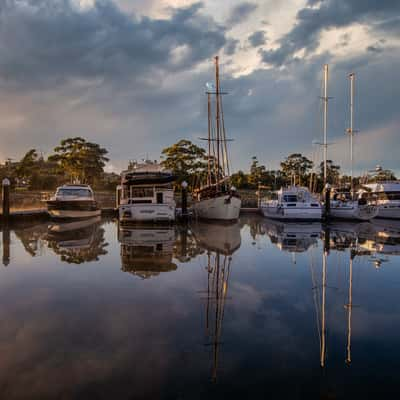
(6, 199)
(327, 201)
(184, 186)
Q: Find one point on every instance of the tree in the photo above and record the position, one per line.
(296, 165)
(81, 160)
(332, 172)
(240, 180)
(26, 167)
(257, 173)
(186, 160)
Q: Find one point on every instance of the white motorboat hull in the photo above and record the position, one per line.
(74, 214)
(353, 211)
(146, 213)
(221, 208)
(292, 214)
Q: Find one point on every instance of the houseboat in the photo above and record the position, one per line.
(146, 194)
(294, 203)
(72, 202)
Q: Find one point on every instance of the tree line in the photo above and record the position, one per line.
(75, 160)
(189, 162)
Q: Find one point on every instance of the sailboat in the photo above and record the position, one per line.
(217, 200)
(343, 205)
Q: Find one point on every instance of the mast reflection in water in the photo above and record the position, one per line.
(285, 310)
(220, 241)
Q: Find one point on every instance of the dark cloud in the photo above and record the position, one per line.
(257, 38)
(231, 46)
(241, 12)
(375, 49)
(45, 42)
(311, 21)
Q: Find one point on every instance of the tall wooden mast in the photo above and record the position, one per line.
(209, 139)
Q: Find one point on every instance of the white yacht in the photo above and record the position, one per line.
(146, 194)
(387, 196)
(73, 201)
(294, 203)
(217, 199)
(343, 206)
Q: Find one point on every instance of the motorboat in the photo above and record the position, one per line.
(294, 203)
(216, 199)
(146, 194)
(387, 197)
(73, 201)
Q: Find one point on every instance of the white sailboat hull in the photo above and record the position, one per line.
(352, 210)
(146, 212)
(390, 209)
(303, 213)
(222, 208)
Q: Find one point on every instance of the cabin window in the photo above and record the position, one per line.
(290, 198)
(142, 192)
(160, 198)
(75, 192)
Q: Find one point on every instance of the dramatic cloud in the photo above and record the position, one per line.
(231, 46)
(135, 83)
(257, 39)
(311, 21)
(241, 12)
(50, 42)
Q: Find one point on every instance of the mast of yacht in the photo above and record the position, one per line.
(325, 99)
(350, 130)
(217, 118)
(209, 139)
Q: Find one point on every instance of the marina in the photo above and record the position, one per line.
(212, 307)
(199, 199)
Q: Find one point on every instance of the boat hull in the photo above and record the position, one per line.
(146, 213)
(354, 212)
(73, 214)
(391, 211)
(292, 214)
(221, 208)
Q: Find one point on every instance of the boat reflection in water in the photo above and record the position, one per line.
(293, 237)
(78, 241)
(147, 251)
(219, 241)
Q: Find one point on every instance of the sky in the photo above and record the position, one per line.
(131, 74)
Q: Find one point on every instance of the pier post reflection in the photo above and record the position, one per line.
(6, 244)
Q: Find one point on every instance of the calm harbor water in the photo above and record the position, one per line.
(252, 310)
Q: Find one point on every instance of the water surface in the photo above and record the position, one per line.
(252, 310)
